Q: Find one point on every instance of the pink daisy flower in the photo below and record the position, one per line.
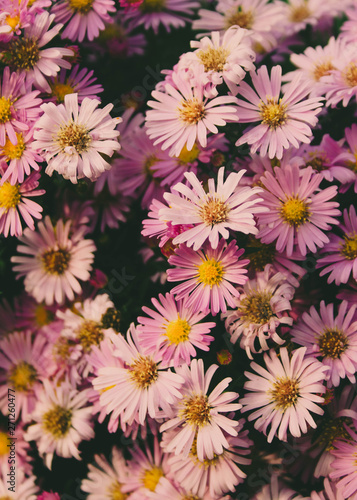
(276, 491)
(173, 491)
(181, 115)
(14, 17)
(260, 308)
(86, 18)
(25, 489)
(330, 492)
(345, 467)
(298, 212)
(348, 28)
(213, 213)
(74, 138)
(284, 121)
(208, 275)
(140, 387)
(284, 393)
(17, 107)
(340, 253)
(332, 339)
(61, 421)
(14, 201)
(54, 261)
(175, 330)
(27, 56)
(301, 13)
(197, 417)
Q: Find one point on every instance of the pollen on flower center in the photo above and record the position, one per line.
(214, 211)
(9, 196)
(285, 393)
(57, 421)
(73, 136)
(210, 272)
(295, 212)
(350, 75)
(261, 254)
(299, 13)
(151, 477)
(13, 21)
(196, 410)
(191, 111)
(349, 247)
(242, 18)
(256, 308)
(273, 113)
(189, 156)
(190, 497)
(143, 371)
(3, 444)
(318, 163)
(56, 261)
(90, 333)
(332, 429)
(213, 59)
(42, 315)
(22, 376)
(322, 70)
(178, 331)
(116, 493)
(5, 109)
(149, 162)
(152, 6)
(333, 343)
(60, 90)
(14, 151)
(81, 6)
(111, 319)
(24, 53)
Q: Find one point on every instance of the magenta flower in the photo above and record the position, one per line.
(208, 275)
(298, 212)
(283, 121)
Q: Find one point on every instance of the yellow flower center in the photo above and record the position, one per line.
(151, 477)
(59, 90)
(6, 498)
(256, 308)
(81, 6)
(332, 429)
(300, 13)
(22, 376)
(285, 393)
(90, 333)
(191, 111)
(295, 212)
(13, 21)
(349, 247)
(143, 372)
(213, 59)
(4, 450)
(196, 410)
(322, 70)
(273, 113)
(116, 493)
(57, 421)
(9, 196)
(178, 331)
(260, 254)
(62, 348)
(24, 53)
(205, 464)
(318, 162)
(42, 315)
(210, 272)
(152, 6)
(111, 319)
(350, 75)
(191, 497)
(14, 151)
(189, 156)
(150, 161)
(242, 18)
(5, 109)
(214, 211)
(74, 136)
(56, 261)
(333, 343)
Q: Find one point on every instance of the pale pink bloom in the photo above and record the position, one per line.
(85, 18)
(301, 13)
(345, 466)
(75, 137)
(14, 201)
(197, 417)
(276, 491)
(284, 121)
(105, 479)
(169, 13)
(339, 255)
(29, 58)
(260, 308)
(330, 492)
(61, 421)
(208, 275)
(349, 28)
(213, 213)
(78, 81)
(181, 115)
(225, 58)
(349, 158)
(218, 476)
(54, 261)
(19, 107)
(25, 363)
(173, 491)
(14, 17)
(331, 339)
(175, 330)
(140, 387)
(284, 393)
(298, 211)
(25, 489)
